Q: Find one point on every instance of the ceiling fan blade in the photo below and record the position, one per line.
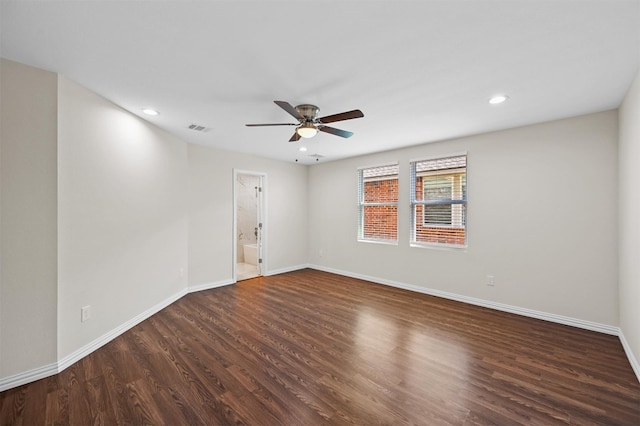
(295, 137)
(334, 131)
(272, 124)
(349, 115)
(290, 109)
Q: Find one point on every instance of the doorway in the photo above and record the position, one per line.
(249, 224)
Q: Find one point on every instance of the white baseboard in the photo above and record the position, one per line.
(632, 359)
(28, 376)
(55, 368)
(574, 322)
(107, 337)
(285, 270)
(209, 286)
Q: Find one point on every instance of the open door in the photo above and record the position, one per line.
(249, 224)
(259, 221)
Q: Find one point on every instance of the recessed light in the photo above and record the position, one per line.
(303, 149)
(498, 99)
(150, 111)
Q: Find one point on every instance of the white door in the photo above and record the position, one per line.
(259, 223)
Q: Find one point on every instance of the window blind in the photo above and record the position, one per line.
(439, 201)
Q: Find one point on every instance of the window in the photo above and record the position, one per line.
(439, 201)
(378, 203)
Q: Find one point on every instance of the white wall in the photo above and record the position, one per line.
(211, 213)
(629, 231)
(122, 224)
(28, 203)
(541, 218)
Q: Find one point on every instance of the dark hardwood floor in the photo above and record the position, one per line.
(309, 347)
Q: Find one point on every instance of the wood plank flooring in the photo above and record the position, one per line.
(313, 348)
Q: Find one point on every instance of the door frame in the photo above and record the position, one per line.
(262, 208)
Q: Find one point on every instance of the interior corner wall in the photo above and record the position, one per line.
(211, 213)
(629, 227)
(542, 219)
(122, 220)
(28, 211)
(100, 208)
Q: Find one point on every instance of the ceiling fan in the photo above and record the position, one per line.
(309, 123)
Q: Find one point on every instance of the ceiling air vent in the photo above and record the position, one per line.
(198, 128)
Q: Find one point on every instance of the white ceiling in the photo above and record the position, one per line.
(421, 71)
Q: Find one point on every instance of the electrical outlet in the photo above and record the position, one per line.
(491, 280)
(85, 313)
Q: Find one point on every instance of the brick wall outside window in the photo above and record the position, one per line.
(380, 222)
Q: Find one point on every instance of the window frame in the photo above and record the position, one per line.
(461, 224)
(362, 204)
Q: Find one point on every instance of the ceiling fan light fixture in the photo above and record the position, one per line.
(307, 130)
(309, 123)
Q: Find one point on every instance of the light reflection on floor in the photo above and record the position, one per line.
(415, 353)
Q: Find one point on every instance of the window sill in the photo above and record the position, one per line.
(440, 246)
(384, 242)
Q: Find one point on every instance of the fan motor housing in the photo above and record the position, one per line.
(310, 112)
